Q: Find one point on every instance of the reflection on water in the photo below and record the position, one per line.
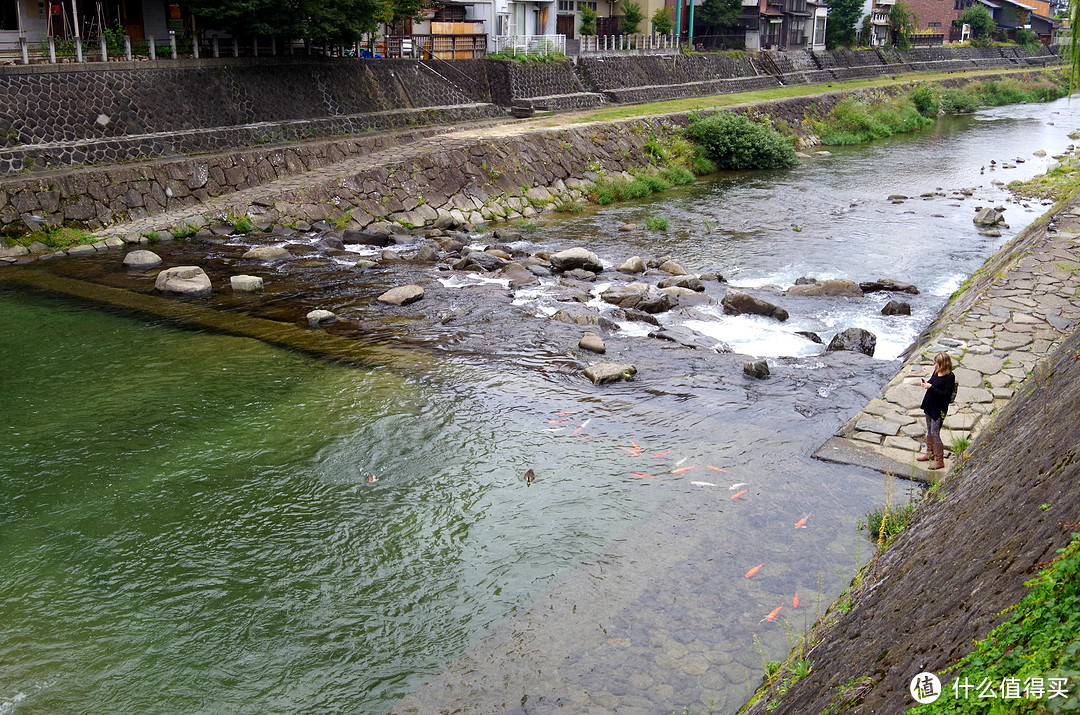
(185, 526)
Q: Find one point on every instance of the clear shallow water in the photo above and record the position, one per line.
(830, 218)
(185, 526)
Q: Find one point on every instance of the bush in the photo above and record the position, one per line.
(677, 176)
(854, 120)
(731, 141)
(662, 22)
(955, 101)
(657, 223)
(588, 21)
(981, 22)
(630, 22)
(926, 99)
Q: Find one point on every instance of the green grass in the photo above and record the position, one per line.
(1039, 639)
(884, 524)
(184, 231)
(57, 238)
(657, 223)
(854, 120)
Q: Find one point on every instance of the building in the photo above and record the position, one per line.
(784, 24)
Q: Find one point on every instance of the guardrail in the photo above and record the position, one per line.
(655, 43)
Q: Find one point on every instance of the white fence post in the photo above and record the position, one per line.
(151, 48)
(52, 50)
(127, 48)
(104, 50)
(23, 50)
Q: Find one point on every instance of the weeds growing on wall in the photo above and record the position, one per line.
(62, 237)
(1040, 640)
(732, 141)
(858, 119)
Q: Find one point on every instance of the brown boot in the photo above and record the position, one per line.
(939, 457)
(925, 457)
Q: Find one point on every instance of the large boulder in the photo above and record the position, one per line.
(482, 260)
(672, 268)
(828, 287)
(592, 342)
(246, 284)
(519, 276)
(141, 260)
(402, 295)
(609, 372)
(682, 281)
(888, 284)
(756, 368)
(576, 258)
(736, 302)
(266, 253)
(896, 307)
(582, 316)
(366, 238)
(637, 296)
(987, 216)
(634, 264)
(854, 340)
(682, 335)
(190, 281)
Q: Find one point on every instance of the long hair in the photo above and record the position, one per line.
(943, 363)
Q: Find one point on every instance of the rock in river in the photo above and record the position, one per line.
(609, 372)
(639, 296)
(402, 295)
(576, 258)
(266, 253)
(189, 281)
(828, 287)
(896, 307)
(634, 264)
(246, 284)
(756, 368)
(854, 340)
(318, 317)
(737, 302)
(139, 260)
(593, 343)
(888, 284)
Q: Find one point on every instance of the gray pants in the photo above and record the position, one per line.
(933, 429)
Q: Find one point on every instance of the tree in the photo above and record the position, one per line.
(718, 15)
(340, 21)
(662, 22)
(843, 16)
(631, 18)
(903, 22)
(588, 21)
(981, 22)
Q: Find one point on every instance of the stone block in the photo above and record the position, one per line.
(878, 426)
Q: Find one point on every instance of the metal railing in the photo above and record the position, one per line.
(599, 44)
(531, 44)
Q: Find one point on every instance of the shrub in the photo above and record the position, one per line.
(657, 223)
(630, 22)
(677, 176)
(926, 99)
(588, 21)
(731, 141)
(662, 22)
(955, 101)
(854, 120)
(981, 22)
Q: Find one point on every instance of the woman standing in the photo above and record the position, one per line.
(939, 391)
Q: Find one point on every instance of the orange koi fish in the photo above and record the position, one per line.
(582, 426)
(717, 469)
(642, 475)
(631, 452)
(556, 422)
(661, 454)
(682, 470)
(562, 414)
(795, 601)
(772, 616)
(754, 570)
(801, 522)
(736, 495)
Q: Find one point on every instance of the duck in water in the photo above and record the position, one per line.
(530, 477)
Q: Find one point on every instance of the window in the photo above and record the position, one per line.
(566, 6)
(933, 24)
(591, 4)
(819, 31)
(9, 19)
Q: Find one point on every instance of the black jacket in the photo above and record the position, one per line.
(935, 403)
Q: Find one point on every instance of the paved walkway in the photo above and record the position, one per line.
(1017, 308)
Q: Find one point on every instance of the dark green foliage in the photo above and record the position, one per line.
(926, 99)
(321, 20)
(904, 23)
(677, 176)
(955, 101)
(630, 22)
(662, 22)
(1027, 38)
(718, 15)
(588, 21)
(731, 141)
(843, 16)
(981, 21)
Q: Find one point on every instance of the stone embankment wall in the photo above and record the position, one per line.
(412, 178)
(95, 114)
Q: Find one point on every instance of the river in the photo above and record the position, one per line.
(186, 527)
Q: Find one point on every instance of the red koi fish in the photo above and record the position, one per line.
(801, 522)
(581, 426)
(754, 570)
(717, 469)
(556, 422)
(683, 470)
(642, 475)
(661, 454)
(562, 414)
(631, 452)
(772, 616)
(795, 601)
(736, 495)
